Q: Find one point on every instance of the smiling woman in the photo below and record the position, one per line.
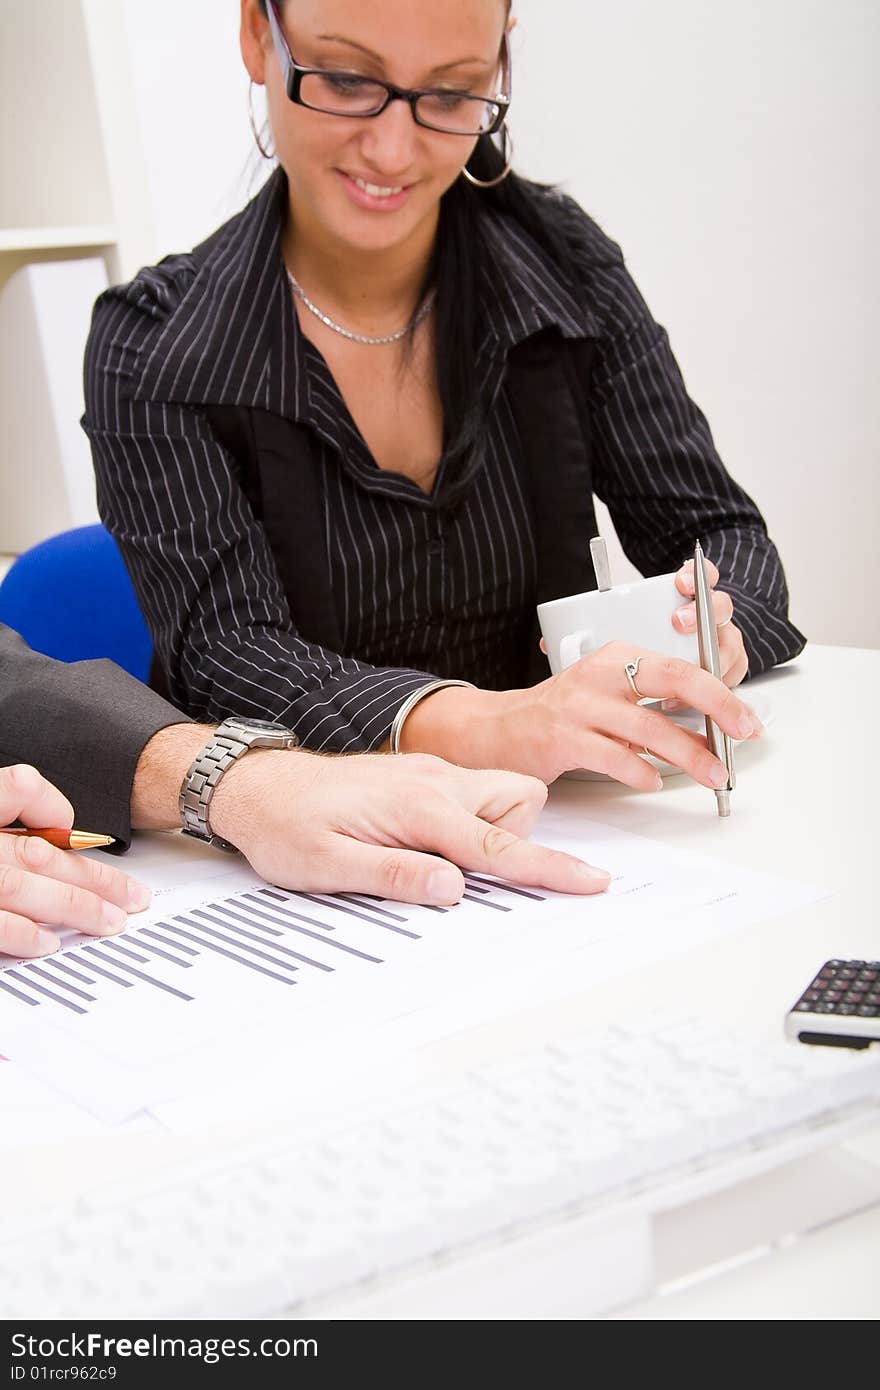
(350, 441)
(376, 184)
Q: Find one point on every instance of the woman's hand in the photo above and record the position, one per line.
(42, 885)
(734, 662)
(587, 716)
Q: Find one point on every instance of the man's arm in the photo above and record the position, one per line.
(84, 724)
(371, 823)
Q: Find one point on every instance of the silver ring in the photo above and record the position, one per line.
(631, 670)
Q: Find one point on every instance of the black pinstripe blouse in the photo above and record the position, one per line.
(420, 590)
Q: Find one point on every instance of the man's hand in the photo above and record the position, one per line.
(42, 885)
(369, 823)
(375, 823)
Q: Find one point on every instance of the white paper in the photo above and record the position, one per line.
(372, 978)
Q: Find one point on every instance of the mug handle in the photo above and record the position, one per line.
(571, 648)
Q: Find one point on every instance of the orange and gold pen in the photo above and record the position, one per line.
(62, 839)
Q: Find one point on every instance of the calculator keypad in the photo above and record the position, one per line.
(849, 987)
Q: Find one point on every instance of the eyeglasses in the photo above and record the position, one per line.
(347, 94)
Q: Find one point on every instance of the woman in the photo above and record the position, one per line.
(350, 441)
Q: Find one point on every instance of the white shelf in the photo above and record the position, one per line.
(74, 215)
(54, 168)
(56, 238)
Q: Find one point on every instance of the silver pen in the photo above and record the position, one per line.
(710, 660)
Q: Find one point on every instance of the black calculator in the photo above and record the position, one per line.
(840, 1007)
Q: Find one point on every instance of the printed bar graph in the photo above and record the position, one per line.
(284, 937)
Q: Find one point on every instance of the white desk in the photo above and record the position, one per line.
(803, 808)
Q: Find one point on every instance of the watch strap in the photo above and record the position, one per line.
(200, 782)
(233, 738)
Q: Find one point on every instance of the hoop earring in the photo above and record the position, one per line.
(507, 156)
(267, 154)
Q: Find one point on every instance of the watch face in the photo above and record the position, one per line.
(258, 726)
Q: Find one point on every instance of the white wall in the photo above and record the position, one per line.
(731, 149)
(191, 102)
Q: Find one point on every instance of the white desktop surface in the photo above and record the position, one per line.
(803, 808)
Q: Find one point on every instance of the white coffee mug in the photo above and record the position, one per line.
(639, 613)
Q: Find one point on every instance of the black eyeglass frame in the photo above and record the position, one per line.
(293, 73)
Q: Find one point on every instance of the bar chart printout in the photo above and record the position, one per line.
(178, 997)
(223, 974)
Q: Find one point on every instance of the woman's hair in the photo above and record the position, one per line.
(459, 257)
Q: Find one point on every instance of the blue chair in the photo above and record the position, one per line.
(70, 597)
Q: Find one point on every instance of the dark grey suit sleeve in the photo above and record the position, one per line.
(83, 725)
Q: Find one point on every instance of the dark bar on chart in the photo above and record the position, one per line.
(496, 907)
(231, 940)
(62, 984)
(328, 941)
(187, 950)
(141, 975)
(227, 905)
(41, 989)
(230, 955)
(336, 906)
(35, 1003)
(99, 970)
(364, 900)
(239, 917)
(508, 888)
(127, 951)
(475, 888)
(250, 936)
(288, 912)
(60, 965)
(166, 955)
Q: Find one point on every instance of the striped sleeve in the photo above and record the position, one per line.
(659, 474)
(203, 572)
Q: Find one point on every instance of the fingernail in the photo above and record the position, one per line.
(590, 874)
(718, 775)
(687, 617)
(138, 896)
(658, 783)
(46, 943)
(113, 918)
(749, 726)
(445, 886)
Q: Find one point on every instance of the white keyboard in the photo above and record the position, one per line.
(608, 1112)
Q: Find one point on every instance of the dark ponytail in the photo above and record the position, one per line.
(460, 258)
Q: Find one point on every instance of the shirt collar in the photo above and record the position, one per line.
(233, 338)
(524, 292)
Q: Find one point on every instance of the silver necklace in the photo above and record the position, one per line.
(414, 322)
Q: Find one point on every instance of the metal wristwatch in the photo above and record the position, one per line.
(232, 739)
